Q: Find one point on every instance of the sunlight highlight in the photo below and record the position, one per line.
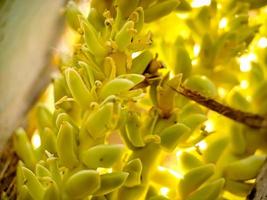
(200, 3)
(36, 140)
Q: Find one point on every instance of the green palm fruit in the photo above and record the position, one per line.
(96, 19)
(41, 171)
(188, 161)
(159, 10)
(165, 177)
(72, 15)
(24, 148)
(19, 176)
(99, 121)
(194, 120)
(104, 155)
(115, 87)
(194, 179)
(78, 89)
(238, 188)
(132, 128)
(124, 36)
(52, 192)
(141, 42)
(207, 52)
(66, 138)
(91, 39)
(202, 85)
(182, 62)
(190, 108)
(83, 183)
(134, 168)
(215, 148)
(171, 136)
(244, 169)
(110, 182)
(24, 193)
(127, 7)
(209, 191)
(140, 63)
(36, 189)
(61, 117)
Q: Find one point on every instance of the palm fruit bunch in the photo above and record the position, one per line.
(119, 130)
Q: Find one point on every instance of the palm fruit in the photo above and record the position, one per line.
(83, 183)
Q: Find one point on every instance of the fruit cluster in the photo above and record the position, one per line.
(118, 123)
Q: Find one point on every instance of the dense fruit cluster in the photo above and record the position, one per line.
(119, 130)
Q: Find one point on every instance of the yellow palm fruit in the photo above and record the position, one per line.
(182, 62)
(134, 168)
(171, 136)
(53, 167)
(61, 117)
(59, 88)
(135, 78)
(238, 188)
(140, 63)
(78, 89)
(111, 182)
(194, 178)
(52, 191)
(166, 94)
(160, 9)
(244, 169)
(202, 85)
(66, 138)
(188, 161)
(124, 35)
(209, 191)
(41, 171)
(24, 193)
(126, 7)
(91, 39)
(194, 120)
(98, 122)
(132, 193)
(109, 68)
(133, 131)
(83, 183)
(115, 87)
(237, 139)
(163, 177)
(44, 117)
(24, 148)
(49, 140)
(36, 189)
(104, 155)
(215, 148)
(72, 15)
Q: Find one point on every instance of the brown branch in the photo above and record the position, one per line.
(252, 120)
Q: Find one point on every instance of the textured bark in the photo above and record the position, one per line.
(252, 120)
